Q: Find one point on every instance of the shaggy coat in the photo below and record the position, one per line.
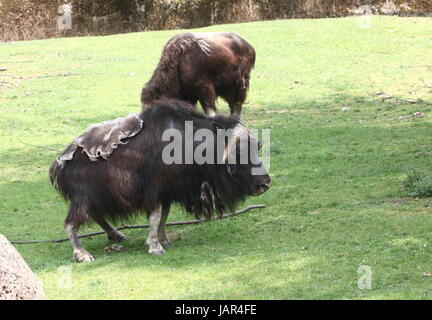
(134, 178)
(202, 67)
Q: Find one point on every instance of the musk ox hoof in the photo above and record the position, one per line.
(166, 243)
(81, 255)
(117, 237)
(156, 249)
(113, 247)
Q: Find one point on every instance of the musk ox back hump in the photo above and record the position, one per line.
(99, 141)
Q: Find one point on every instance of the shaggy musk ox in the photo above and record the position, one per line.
(201, 67)
(116, 169)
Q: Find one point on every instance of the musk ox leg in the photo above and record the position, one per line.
(235, 106)
(237, 97)
(207, 98)
(235, 103)
(153, 241)
(163, 240)
(112, 234)
(79, 253)
(236, 109)
(77, 215)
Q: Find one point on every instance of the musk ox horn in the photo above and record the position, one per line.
(239, 133)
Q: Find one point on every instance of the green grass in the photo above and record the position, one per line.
(418, 184)
(337, 200)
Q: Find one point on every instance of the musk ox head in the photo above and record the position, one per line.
(241, 157)
(237, 152)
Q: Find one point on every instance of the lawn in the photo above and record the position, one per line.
(339, 155)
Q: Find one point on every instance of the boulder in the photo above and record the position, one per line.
(17, 281)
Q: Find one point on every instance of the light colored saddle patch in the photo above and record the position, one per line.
(101, 139)
(184, 42)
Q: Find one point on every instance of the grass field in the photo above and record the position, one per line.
(339, 155)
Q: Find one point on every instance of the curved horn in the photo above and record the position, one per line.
(238, 133)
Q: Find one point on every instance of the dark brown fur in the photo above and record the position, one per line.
(135, 179)
(203, 67)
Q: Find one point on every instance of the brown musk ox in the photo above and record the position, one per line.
(202, 67)
(128, 166)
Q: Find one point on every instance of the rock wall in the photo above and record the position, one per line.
(35, 19)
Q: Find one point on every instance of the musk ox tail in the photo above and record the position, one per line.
(165, 79)
(55, 175)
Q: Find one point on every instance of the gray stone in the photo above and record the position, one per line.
(17, 281)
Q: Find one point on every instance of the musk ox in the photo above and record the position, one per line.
(128, 166)
(202, 67)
